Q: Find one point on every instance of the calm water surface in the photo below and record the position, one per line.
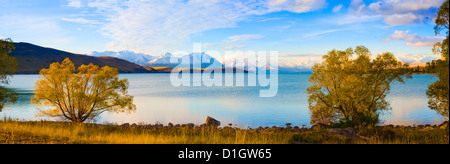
(158, 101)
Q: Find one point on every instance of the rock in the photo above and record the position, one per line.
(444, 125)
(260, 128)
(134, 125)
(126, 125)
(390, 126)
(159, 126)
(170, 125)
(296, 129)
(212, 122)
(347, 132)
(288, 127)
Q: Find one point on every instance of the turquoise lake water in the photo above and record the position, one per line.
(158, 101)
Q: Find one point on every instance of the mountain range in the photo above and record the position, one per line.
(32, 58)
(169, 60)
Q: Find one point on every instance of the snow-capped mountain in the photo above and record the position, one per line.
(137, 58)
(170, 60)
(167, 58)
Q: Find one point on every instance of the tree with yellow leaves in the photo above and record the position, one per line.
(8, 66)
(351, 90)
(82, 96)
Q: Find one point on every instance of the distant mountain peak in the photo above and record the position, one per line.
(137, 58)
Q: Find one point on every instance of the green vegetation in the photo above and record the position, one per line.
(8, 66)
(352, 92)
(82, 96)
(438, 92)
(429, 68)
(377, 135)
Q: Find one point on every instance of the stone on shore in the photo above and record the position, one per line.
(347, 132)
(212, 122)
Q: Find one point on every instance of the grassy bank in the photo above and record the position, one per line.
(13, 132)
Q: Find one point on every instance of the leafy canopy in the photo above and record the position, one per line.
(438, 92)
(8, 66)
(352, 89)
(82, 96)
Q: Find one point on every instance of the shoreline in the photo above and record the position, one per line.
(158, 123)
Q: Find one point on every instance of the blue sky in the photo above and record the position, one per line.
(300, 30)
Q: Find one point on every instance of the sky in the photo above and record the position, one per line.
(302, 31)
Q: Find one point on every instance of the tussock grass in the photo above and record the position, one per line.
(12, 132)
(44, 132)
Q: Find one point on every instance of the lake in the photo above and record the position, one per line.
(158, 101)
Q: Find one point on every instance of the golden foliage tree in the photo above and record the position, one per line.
(8, 66)
(352, 90)
(81, 96)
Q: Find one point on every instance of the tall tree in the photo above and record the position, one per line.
(438, 92)
(82, 96)
(351, 90)
(8, 66)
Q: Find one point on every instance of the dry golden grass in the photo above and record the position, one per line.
(12, 132)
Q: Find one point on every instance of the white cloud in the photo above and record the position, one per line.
(414, 39)
(161, 25)
(299, 61)
(321, 33)
(237, 38)
(401, 19)
(404, 6)
(397, 12)
(74, 3)
(81, 20)
(164, 25)
(350, 19)
(357, 7)
(416, 59)
(234, 47)
(297, 6)
(337, 8)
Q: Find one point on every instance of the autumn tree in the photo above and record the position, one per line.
(8, 66)
(350, 89)
(81, 96)
(438, 92)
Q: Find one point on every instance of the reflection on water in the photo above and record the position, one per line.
(158, 101)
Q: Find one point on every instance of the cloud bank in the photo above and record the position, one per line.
(398, 12)
(163, 25)
(414, 39)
